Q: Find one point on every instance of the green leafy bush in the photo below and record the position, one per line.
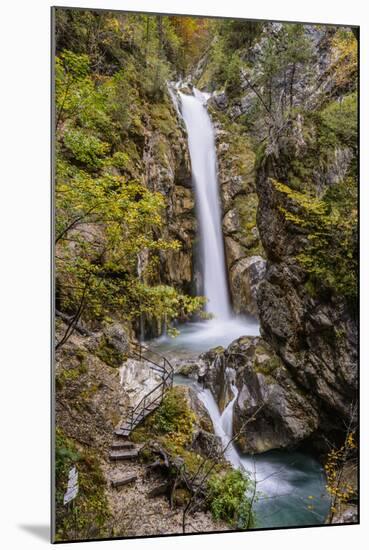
(339, 122)
(174, 416)
(228, 498)
(330, 224)
(86, 148)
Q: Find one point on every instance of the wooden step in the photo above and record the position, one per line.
(122, 432)
(123, 480)
(122, 445)
(123, 455)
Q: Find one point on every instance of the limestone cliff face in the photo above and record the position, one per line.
(315, 336)
(167, 170)
(243, 250)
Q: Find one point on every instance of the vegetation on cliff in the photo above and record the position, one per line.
(284, 109)
(330, 224)
(110, 83)
(89, 516)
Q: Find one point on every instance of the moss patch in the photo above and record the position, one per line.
(72, 372)
(89, 515)
(109, 354)
(162, 119)
(172, 425)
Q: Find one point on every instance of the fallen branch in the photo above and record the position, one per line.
(78, 327)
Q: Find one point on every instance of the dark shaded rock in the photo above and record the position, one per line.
(315, 335)
(215, 377)
(207, 444)
(270, 412)
(113, 345)
(117, 337)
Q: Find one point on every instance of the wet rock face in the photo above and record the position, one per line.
(245, 278)
(270, 411)
(236, 175)
(215, 376)
(168, 171)
(316, 337)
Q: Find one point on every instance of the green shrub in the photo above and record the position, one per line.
(228, 499)
(86, 148)
(174, 416)
(339, 122)
(233, 83)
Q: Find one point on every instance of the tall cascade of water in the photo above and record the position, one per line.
(204, 172)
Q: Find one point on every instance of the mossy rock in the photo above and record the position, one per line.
(181, 497)
(72, 372)
(109, 354)
(172, 425)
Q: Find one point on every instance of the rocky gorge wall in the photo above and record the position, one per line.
(167, 170)
(236, 173)
(309, 336)
(165, 167)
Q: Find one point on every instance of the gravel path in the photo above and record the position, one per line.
(137, 515)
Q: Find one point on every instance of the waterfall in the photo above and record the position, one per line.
(225, 327)
(204, 173)
(286, 481)
(221, 425)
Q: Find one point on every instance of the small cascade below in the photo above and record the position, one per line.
(290, 485)
(221, 424)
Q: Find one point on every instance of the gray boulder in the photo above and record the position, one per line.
(245, 278)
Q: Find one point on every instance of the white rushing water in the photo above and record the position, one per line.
(290, 485)
(224, 327)
(287, 482)
(204, 173)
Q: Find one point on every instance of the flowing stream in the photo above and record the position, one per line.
(290, 485)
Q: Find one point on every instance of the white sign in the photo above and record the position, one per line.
(72, 488)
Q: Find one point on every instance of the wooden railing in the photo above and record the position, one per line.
(160, 364)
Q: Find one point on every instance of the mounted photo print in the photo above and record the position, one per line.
(205, 185)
